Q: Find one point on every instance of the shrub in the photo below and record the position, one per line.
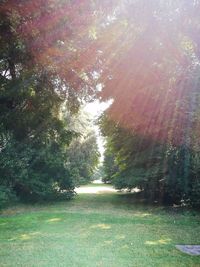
(6, 196)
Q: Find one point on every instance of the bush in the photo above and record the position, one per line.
(32, 172)
(6, 196)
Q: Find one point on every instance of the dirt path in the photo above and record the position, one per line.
(92, 189)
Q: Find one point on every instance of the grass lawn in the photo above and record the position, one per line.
(104, 229)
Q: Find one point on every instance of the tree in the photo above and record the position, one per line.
(153, 78)
(82, 153)
(83, 158)
(109, 165)
(164, 173)
(99, 173)
(42, 68)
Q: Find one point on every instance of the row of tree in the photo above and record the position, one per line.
(152, 127)
(163, 173)
(56, 55)
(44, 79)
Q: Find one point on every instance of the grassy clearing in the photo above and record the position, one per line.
(111, 230)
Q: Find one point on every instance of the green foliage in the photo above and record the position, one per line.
(109, 165)
(99, 173)
(83, 158)
(51, 62)
(82, 155)
(163, 172)
(38, 83)
(7, 196)
(33, 169)
(152, 126)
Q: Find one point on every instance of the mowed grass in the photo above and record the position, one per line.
(105, 229)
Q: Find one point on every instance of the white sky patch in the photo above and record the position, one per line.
(95, 109)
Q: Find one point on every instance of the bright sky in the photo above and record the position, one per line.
(96, 108)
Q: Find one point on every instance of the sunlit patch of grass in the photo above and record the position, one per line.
(120, 236)
(24, 236)
(109, 230)
(101, 226)
(158, 242)
(54, 220)
(108, 242)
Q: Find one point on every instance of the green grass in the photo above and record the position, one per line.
(111, 230)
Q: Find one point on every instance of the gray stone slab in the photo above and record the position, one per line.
(193, 250)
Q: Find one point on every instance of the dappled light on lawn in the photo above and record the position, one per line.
(54, 220)
(142, 215)
(102, 226)
(159, 242)
(26, 236)
(97, 230)
(120, 236)
(108, 242)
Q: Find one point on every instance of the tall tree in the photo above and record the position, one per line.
(83, 153)
(44, 65)
(153, 66)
